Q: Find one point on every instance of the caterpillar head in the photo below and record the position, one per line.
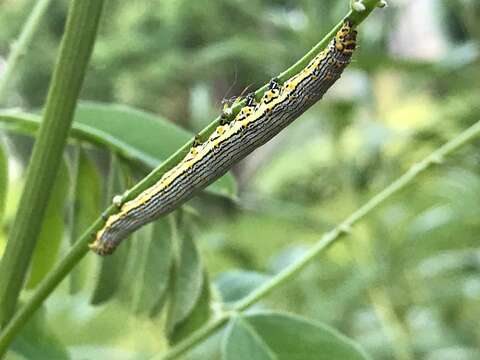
(346, 38)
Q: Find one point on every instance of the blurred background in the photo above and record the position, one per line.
(405, 283)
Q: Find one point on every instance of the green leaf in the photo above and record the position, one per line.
(36, 341)
(276, 336)
(136, 135)
(86, 207)
(112, 268)
(110, 275)
(129, 290)
(52, 230)
(155, 279)
(198, 316)
(3, 181)
(133, 130)
(234, 285)
(210, 349)
(189, 303)
(243, 342)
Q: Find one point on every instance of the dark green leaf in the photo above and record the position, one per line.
(275, 336)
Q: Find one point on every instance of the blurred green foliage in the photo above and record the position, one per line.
(404, 285)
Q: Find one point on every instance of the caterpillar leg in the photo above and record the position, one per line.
(273, 91)
(274, 84)
(197, 141)
(250, 99)
(105, 216)
(225, 117)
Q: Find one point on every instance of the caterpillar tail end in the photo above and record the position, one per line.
(101, 249)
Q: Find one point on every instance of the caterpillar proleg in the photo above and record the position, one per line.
(253, 126)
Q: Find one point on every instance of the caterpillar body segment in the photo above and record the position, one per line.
(255, 124)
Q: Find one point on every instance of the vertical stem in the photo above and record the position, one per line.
(75, 50)
(19, 47)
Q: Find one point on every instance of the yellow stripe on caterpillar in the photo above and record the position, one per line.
(254, 125)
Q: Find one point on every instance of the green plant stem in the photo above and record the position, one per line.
(19, 47)
(197, 337)
(345, 227)
(328, 239)
(75, 50)
(76, 253)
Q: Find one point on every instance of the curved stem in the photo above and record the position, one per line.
(74, 55)
(19, 47)
(80, 248)
(328, 239)
(356, 17)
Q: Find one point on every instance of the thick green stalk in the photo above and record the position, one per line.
(80, 247)
(328, 239)
(19, 47)
(75, 51)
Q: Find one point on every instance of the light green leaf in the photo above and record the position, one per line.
(189, 303)
(155, 279)
(234, 285)
(276, 336)
(209, 349)
(36, 341)
(243, 342)
(198, 316)
(142, 137)
(86, 207)
(112, 268)
(3, 180)
(52, 231)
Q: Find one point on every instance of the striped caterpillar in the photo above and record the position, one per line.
(253, 126)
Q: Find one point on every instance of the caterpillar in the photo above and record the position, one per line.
(254, 125)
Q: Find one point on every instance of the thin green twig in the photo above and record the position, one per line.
(19, 48)
(326, 241)
(75, 50)
(356, 17)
